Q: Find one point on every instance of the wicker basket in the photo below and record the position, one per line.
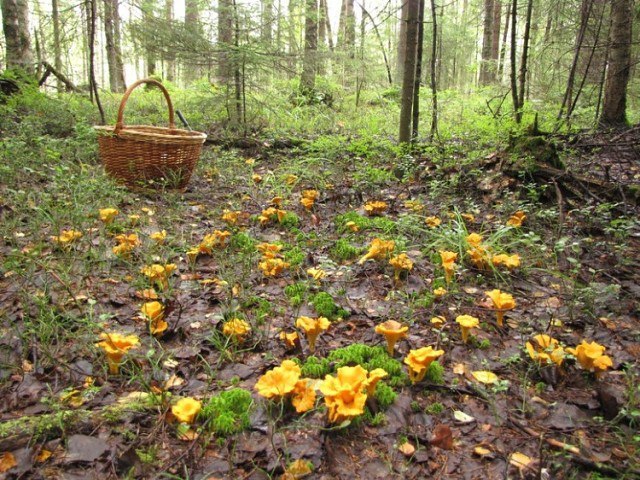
(144, 156)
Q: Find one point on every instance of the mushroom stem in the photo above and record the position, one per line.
(448, 275)
(114, 366)
(391, 343)
(499, 317)
(312, 342)
(465, 334)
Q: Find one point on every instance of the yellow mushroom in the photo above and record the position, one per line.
(186, 409)
(392, 331)
(466, 322)
(419, 361)
(502, 302)
(312, 328)
(115, 346)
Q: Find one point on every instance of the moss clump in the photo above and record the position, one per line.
(370, 358)
(435, 373)
(290, 220)
(325, 306)
(243, 242)
(385, 395)
(363, 223)
(296, 293)
(228, 413)
(295, 256)
(315, 367)
(343, 250)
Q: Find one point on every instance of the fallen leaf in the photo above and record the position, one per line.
(43, 456)
(83, 448)
(484, 376)
(462, 417)
(173, 381)
(298, 469)
(520, 460)
(7, 462)
(459, 368)
(482, 452)
(442, 437)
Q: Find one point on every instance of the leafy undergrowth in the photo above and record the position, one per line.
(210, 286)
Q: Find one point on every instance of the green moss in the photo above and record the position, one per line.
(295, 256)
(435, 408)
(290, 220)
(342, 250)
(315, 367)
(325, 306)
(385, 395)
(228, 412)
(435, 373)
(243, 242)
(363, 223)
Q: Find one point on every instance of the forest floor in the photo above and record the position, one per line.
(64, 416)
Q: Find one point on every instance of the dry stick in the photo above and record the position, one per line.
(575, 451)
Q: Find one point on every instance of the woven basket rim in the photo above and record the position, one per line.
(139, 131)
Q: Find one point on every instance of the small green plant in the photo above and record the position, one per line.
(228, 412)
(296, 293)
(243, 242)
(378, 419)
(484, 344)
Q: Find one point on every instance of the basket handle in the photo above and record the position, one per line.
(125, 97)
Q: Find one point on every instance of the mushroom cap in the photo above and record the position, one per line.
(186, 409)
(448, 257)
(420, 359)
(236, 327)
(153, 310)
(392, 330)
(304, 396)
(341, 409)
(108, 214)
(348, 382)
(313, 325)
(467, 321)
(474, 239)
(401, 262)
(278, 381)
(509, 261)
(432, 222)
(501, 300)
(115, 345)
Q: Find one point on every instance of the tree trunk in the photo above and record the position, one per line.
(57, 50)
(117, 41)
(614, 106)
(402, 41)
(322, 36)
(495, 38)
(418, 77)
(503, 49)
(434, 87)
(487, 74)
(513, 69)
(266, 33)
(225, 41)
(408, 78)
(170, 57)
(347, 28)
(308, 78)
(193, 71)
(292, 40)
(15, 24)
(110, 46)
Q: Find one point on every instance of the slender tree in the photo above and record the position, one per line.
(57, 41)
(415, 121)
(434, 86)
(114, 57)
(614, 106)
